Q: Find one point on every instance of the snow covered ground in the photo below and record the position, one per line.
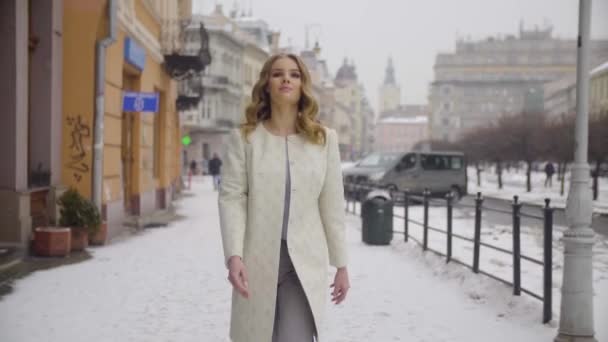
(514, 183)
(169, 284)
(500, 264)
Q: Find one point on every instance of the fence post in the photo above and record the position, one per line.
(516, 246)
(346, 197)
(449, 199)
(357, 198)
(352, 197)
(425, 195)
(478, 204)
(548, 262)
(361, 197)
(406, 215)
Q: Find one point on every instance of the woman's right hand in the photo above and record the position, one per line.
(237, 275)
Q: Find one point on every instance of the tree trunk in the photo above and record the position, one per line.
(499, 173)
(528, 177)
(562, 178)
(596, 175)
(478, 169)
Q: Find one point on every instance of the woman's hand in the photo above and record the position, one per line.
(237, 275)
(341, 285)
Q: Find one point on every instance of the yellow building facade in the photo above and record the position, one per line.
(66, 66)
(139, 151)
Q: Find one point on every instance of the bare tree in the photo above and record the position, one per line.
(559, 144)
(522, 134)
(598, 146)
(497, 148)
(475, 145)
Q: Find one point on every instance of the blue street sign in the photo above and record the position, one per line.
(135, 54)
(139, 102)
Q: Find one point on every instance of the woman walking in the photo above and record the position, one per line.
(281, 207)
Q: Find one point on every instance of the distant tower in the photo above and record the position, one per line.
(390, 92)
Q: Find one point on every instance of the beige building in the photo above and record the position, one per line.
(400, 134)
(483, 80)
(560, 95)
(257, 37)
(239, 48)
(348, 93)
(390, 92)
(599, 89)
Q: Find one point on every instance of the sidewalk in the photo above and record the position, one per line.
(169, 284)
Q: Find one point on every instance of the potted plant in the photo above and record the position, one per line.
(50, 240)
(81, 215)
(99, 238)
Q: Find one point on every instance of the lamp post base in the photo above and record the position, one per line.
(569, 338)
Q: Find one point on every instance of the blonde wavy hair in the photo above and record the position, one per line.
(259, 108)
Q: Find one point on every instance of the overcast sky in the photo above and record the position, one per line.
(411, 31)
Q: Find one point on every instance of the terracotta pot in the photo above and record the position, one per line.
(52, 241)
(80, 239)
(100, 237)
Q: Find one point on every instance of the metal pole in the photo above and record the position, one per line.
(477, 238)
(406, 216)
(576, 318)
(347, 197)
(516, 247)
(355, 198)
(449, 199)
(425, 242)
(548, 262)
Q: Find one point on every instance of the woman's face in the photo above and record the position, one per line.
(285, 82)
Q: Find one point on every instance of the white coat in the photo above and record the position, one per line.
(251, 202)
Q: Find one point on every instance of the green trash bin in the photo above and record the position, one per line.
(377, 221)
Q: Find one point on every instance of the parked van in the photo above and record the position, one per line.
(440, 172)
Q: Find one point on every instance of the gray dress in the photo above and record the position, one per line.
(293, 321)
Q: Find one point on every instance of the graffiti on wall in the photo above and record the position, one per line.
(77, 156)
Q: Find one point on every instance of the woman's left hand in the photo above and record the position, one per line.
(341, 285)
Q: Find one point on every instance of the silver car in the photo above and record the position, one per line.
(439, 172)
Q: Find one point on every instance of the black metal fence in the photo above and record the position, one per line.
(356, 192)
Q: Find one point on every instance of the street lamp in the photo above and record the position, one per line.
(576, 318)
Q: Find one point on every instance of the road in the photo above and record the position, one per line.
(599, 223)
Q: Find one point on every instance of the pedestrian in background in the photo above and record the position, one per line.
(193, 167)
(549, 171)
(215, 165)
(191, 172)
(282, 211)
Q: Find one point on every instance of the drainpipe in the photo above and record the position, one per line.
(100, 80)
